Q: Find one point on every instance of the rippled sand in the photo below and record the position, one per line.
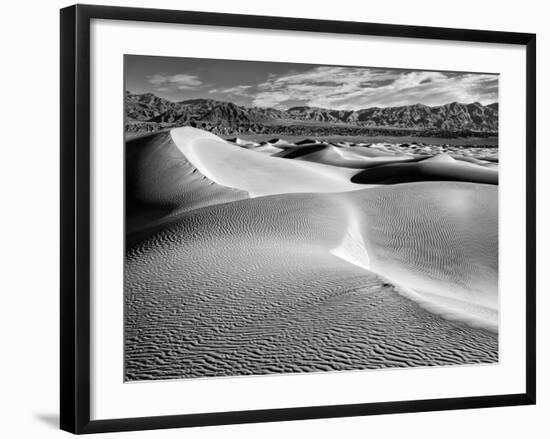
(218, 283)
(161, 182)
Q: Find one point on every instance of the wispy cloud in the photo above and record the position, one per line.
(179, 81)
(346, 88)
(239, 90)
(355, 88)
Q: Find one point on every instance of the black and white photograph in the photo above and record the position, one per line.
(287, 218)
(266, 220)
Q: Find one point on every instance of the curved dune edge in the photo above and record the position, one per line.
(267, 149)
(465, 289)
(305, 297)
(353, 249)
(335, 156)
(476, 317)
(342, 156)
(441, 167)
(321, 257)
(258, 174)
(441, 241)
(200, 150)
(161, 183)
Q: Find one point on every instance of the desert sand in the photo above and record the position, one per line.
(441, 167)
(258, 174)
(161, 182)
(243, 261)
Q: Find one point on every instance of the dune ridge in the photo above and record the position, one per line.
(258, 174)
(431, 215)
(352, 248)
(162, 183)
(440, 240)
(348, 157)
(441, 167)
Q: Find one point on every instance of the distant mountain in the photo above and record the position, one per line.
(452, 117)
(146, 106)
(148, 110)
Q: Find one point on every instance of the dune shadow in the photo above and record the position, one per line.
(49, 419)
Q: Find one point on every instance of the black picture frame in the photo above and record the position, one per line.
(75, 218)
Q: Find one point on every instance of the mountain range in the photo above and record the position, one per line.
(148, 112)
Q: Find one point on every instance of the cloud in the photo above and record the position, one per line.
(179, 81)
(239, 90)
(271, 99)
(345, 88)
(354, 88)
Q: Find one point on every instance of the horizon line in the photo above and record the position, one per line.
(309, 106)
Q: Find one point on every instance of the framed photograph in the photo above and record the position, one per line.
(272, 218)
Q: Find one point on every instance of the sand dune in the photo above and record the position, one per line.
(439, 239)
(382, 147)
(243, 143)
(489, 159)
(301, 150)
(267, 149)
(306, 142)
(291, 299)
(376, 152)
(279, 142)
(258, 174)
(161, 182)
(334, 155)
(438, 168)
(315, 273)
(349, 158)
(263, 147)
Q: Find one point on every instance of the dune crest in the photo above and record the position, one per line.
(419, 234)
(258, 174)
(353, 248)
(435, 242)
(161, 183)
(441, 167)
(349, 158)
(440, 240)
(245, 263)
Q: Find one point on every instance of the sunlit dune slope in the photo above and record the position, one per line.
(374, 152)
(267, 149)
(258, 174)
(243, 143)
(438, 239)
(288, 283)
(348, 157)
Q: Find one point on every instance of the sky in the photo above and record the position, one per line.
(285, 85)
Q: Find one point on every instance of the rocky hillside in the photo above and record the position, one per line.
(147, 112)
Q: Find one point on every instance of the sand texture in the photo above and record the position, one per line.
(242, 168)
(161, 183)
(243, 261)
(442, 167)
